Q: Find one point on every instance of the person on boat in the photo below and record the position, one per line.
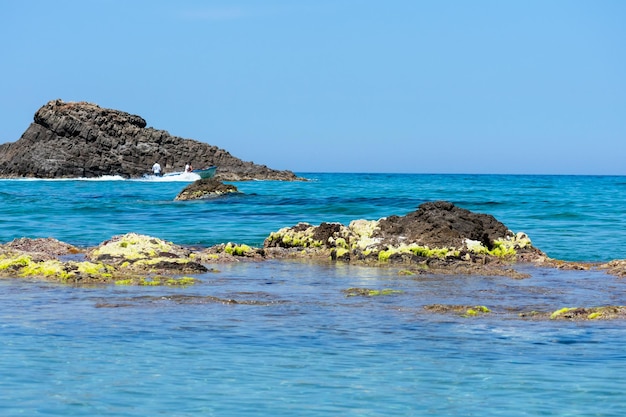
(156, 169)
(188, 167)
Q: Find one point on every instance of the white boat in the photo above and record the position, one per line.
(182, 176)
(208, 172)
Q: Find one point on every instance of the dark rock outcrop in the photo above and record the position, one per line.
(205, 188)
(438, 232)
(79, 139)
(442, 224)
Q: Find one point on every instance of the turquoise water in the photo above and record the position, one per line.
(294, 344)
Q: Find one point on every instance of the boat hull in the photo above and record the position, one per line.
(206, 172)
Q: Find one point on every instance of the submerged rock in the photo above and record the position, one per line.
(590, 313)
(80, 139)
(205, 188)
(461, 310)
(368, 292)
(567, 313)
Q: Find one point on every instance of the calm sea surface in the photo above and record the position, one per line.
(295, 345)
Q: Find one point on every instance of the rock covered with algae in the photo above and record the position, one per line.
(461, 310)
(135, 252)
(438, 233)
(589, 313)
(42, 258)
(563, 314)
(126, 259)
(205, 188)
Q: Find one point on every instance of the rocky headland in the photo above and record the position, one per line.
(80, 139)
(438, 239)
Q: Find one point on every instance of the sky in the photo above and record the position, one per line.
(401, 86)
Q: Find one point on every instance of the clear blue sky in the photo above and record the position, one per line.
(440, 86)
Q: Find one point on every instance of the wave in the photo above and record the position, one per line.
(174, 177)
(102, 178)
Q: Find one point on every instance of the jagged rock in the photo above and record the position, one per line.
(205, 188)
(442, 224)
(79, 139)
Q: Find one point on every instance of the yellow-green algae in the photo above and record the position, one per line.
(292, 238)
(590, 313)
(237, 250)
(358, 237)
(340, 252)
(134, 252)
(24, 266)
(366, 292)
(462, 310)
(340, 243)
(16, 262)
(560, 312)
(157, 281)
(418, 250)
(133, 246)
(150, 262)
(472, 312)
(502, 248)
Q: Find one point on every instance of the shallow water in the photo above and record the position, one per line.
(293, 343)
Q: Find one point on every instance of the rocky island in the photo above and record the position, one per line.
(80, 139)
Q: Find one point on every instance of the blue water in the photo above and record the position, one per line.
(294, 344)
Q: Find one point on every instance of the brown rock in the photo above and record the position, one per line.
(441, 224)
(205, 188)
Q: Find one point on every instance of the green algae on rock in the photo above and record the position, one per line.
(157, 281)
(436, 231)
(461, 310)
(237, 250)
(23, 265)
(590, 313)
(368, 292)
(132, 258)
(205, 188)
(135, 252)
(229, 252)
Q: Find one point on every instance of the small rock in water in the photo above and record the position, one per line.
(205, 188)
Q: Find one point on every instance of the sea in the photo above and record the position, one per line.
(284, 338)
